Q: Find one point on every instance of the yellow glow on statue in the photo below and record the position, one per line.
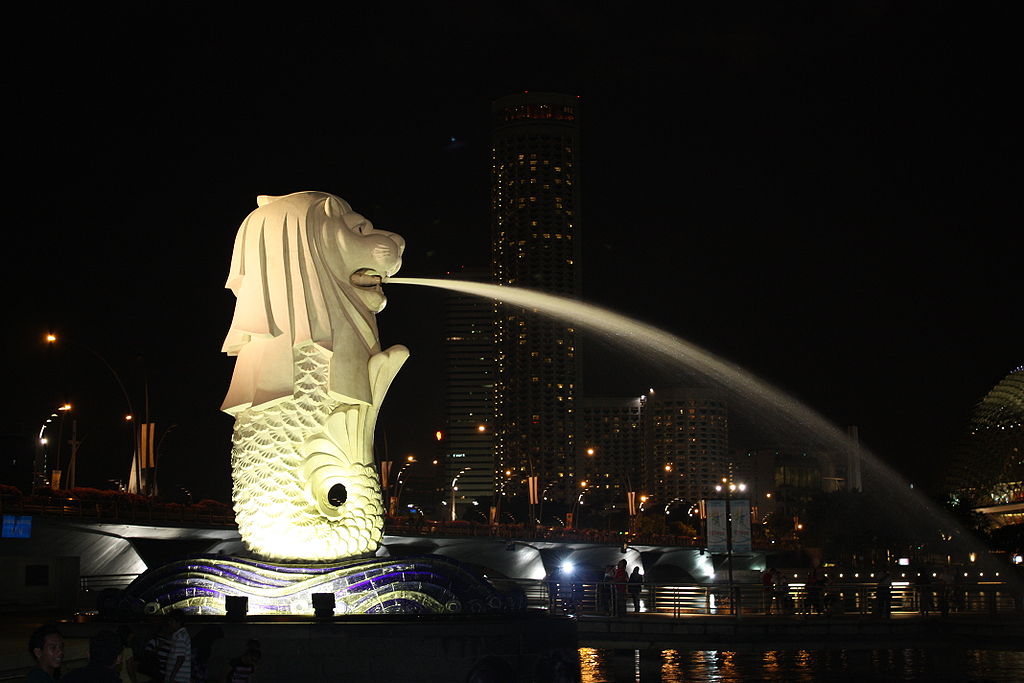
(310, 376)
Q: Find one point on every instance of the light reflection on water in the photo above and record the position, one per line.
(726, 666)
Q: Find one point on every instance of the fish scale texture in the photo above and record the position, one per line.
(274, 516)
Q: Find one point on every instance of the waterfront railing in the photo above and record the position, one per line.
(689, 599)
(680, 600)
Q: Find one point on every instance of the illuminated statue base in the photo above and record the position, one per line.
(426, 584)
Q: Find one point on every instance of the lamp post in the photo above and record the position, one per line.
(544, 497)
(399, 484)
(577, 505)
(729, 487)
(51, 338)
(455, 488)
(156, 458)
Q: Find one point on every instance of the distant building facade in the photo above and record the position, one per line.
(783, 478)
(469, 394)
(611, 446)
(687, 434)
(535, 208)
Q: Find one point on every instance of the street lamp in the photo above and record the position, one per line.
(399, 484)
(544, 497)
(455, 488)
(730, 487)
(51, 338)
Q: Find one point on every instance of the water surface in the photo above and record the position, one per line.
(725, 666)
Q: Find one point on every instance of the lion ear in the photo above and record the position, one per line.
(264, 199)
(334, 208)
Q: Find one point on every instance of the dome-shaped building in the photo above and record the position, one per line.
(989, 467)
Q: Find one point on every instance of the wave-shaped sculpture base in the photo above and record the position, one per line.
(427, 584)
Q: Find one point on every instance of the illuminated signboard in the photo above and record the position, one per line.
(17, 526)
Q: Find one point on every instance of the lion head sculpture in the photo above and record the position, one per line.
(306, 268)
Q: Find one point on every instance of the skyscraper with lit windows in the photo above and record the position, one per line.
(469, 391)
(535, 209)
(687, 434)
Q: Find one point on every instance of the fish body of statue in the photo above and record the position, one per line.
(309, 377)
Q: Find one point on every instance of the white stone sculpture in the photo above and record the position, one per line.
(310, 376)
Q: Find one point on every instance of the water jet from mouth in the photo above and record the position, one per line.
(909, 508)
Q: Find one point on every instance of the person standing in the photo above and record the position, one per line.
(104, 661)
(46, 645)
(606, 591)
(815, 586)
(636, 583)
(127, 669)
(884, 595)
(179, 661)
(782, 596)
(768, 586)
(619, 593)
(243, 667)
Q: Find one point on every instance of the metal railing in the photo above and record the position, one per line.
(692, 599)
(117, 511)
(677, 600)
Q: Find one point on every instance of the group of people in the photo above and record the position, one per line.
(941, 592)
(170, 655)
(615, 585)
(777, 598)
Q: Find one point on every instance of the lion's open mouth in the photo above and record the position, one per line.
(366, 278)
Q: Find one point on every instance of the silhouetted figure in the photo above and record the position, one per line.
(104, 661)
(942, 590)
(782, 596)
(815, 588)
(619, 594)
(127, 669)
(152, 661)
(243, 667)
(202, 649)
(768, 587)
(636, 584)
(178, 668)
(605, 595)
(883, 593)
(924, 593)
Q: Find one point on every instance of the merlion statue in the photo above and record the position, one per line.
(309, 377)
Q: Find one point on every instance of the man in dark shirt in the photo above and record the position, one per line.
(104, 656)
(47, 647)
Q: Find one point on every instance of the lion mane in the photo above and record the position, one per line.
(290, 273)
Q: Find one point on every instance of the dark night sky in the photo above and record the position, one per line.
(827, 197)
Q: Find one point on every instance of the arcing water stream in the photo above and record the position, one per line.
(907, 505)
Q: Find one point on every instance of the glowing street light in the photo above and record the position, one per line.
(51, 338)
(400, 483)
(730, 487)
(455, 487)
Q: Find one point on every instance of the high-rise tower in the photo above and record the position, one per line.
(469, 396)
(535, 200)
(688, 443)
